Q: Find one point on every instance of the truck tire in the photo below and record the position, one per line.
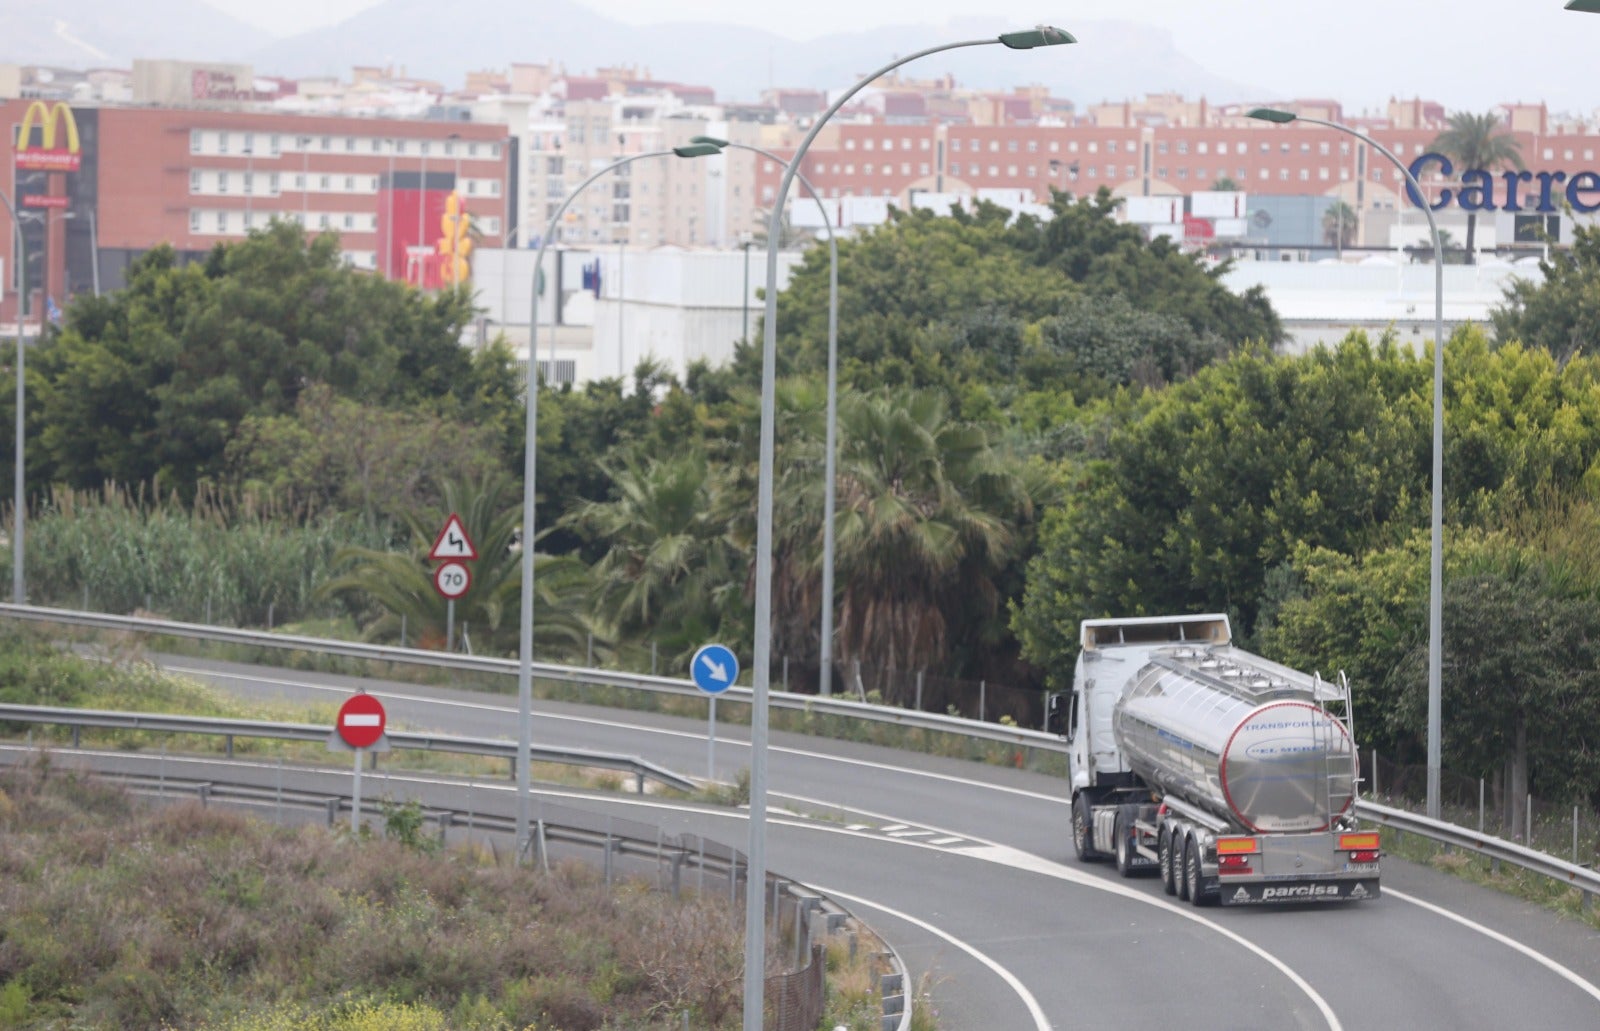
(1169, 863)
(1184, 849)
(1123, 848)
(1193, 882)
(1083, 831)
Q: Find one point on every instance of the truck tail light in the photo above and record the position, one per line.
(1368, 856)
(1232, 864)
(1237, 846)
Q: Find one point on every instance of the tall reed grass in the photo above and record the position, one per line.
(227, 558)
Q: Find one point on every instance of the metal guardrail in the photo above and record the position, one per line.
(815, 915)
(228, 729)
(831, 706)
(1485, 845)
(1491, 847)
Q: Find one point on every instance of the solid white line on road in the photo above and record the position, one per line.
(1040, 1021)
(1542, 960)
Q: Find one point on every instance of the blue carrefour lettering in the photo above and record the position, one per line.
(1477, 191)
(1580, 183)
(1445, 169)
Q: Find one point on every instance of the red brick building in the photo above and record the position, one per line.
(195, 178)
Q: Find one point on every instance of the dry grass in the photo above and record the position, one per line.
(114, 915)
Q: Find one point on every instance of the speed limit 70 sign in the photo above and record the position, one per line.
(452, 579)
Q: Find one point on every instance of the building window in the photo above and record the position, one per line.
(249, 184)
(194, 221)
(350, 184)
(1305, 175)
(1183, 173)
(922, 169)
(196, 141)
(194, 181)
(1549, 153)
(349, 221)
(327, 143)
(222, 143)
(849, 144)
(1161, 146)
(1265, 174)
(272, 184)
(322, 221)
(1222, 148)
(974, 171)
(1094, 148)
(1305, 148)
(905, 168)
(222, 182)
(1322, 148)
(1011, 146)
(325, 183)
(1072, 147)
(1322, 173)
(222, 221)
(1200, 148)
(1283, 175)
(1265, 147)
(994, 146)
(1011, 170)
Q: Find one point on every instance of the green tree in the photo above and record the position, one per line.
(335, 454)
(152, 382)
(1478, 143)
(1339, 225)
(397, 591)
(1559, 313)
(1225, 184)
(670, 572)
(929, 516)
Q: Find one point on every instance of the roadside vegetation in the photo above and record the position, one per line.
(115, 915)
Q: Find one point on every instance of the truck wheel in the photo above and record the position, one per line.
(1191, 876)
(1124, 847)
(1082, 831)
(1169, 864)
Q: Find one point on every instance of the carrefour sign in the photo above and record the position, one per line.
(1510, 190)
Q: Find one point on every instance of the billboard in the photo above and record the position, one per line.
(58, 149)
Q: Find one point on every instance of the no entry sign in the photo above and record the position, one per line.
(361, 720)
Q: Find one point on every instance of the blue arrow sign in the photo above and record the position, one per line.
(714, 668)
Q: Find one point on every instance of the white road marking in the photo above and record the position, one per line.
(945, 841)
(1065, 873)
(1540, 958)
(356, 719)
(1040, 1021)
(691, 735)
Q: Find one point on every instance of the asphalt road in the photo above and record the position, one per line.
(968, 869)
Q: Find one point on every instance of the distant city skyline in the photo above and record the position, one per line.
(1470, 54)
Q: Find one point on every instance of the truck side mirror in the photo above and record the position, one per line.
(1055, 714)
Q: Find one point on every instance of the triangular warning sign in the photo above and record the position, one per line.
(453, 541)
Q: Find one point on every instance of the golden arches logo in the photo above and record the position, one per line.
(48, 157)
(455, 243)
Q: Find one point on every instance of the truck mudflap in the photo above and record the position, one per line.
(1266, 893)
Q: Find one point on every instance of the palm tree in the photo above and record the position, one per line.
(1339, 225)
(926, 522)
(1477, 142)
(670, 572)
(401, 582)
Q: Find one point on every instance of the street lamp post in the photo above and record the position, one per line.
(1436, 551)
(18, 503)
(525, 644)
(825, 677)
(755, 889)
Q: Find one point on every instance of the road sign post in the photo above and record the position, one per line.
(713, 669)
(454, 548)
(360, 726)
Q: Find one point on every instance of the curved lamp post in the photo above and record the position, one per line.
(1436, 556)
(825, 678)
(18, 504)
(755, 889)
(525, 644)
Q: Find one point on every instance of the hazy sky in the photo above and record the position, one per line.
(1466, 53)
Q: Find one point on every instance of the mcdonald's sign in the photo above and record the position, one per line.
(48, 157)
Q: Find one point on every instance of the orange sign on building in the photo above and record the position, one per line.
(48, 157)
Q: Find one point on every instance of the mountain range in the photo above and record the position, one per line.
(444, 42)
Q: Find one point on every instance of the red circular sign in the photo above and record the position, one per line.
(361, 720)
(452, 579)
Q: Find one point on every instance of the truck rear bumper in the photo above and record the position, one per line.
(1240, 892)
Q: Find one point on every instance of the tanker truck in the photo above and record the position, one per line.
(1231, 777)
